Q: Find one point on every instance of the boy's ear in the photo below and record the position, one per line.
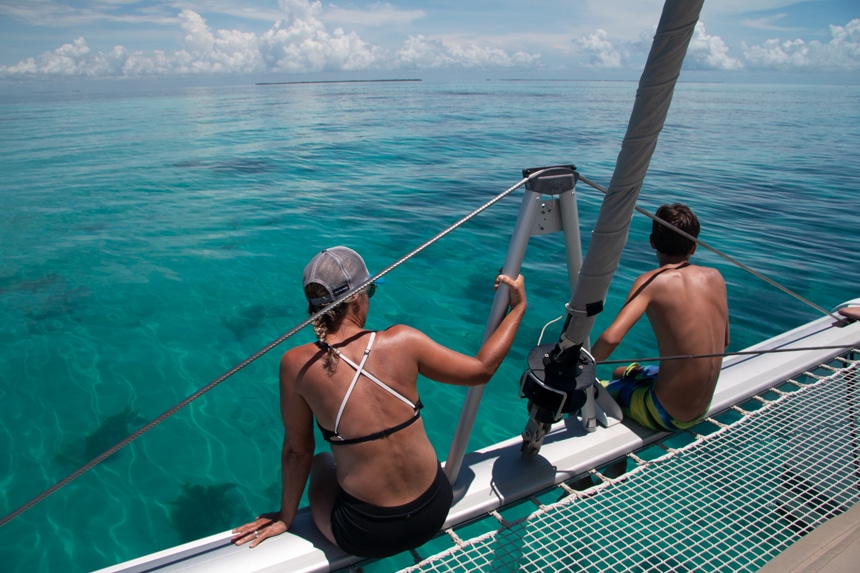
(693, 250)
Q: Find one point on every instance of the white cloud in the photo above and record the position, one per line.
(709, 52)
(704, 52)
(302, 47)
(600, 51)
(841, 53)
(421, 52)
(69, 60)
(297, 42)
(267, 11)
(739, 7)
(306, 10)
(767, 23)
(198, 37)
(377, 15)
(307, 36)
(53, 14)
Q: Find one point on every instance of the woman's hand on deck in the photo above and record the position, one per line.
(850, 312)
(265, 526)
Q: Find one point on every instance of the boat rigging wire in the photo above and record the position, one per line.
(252, 358)
(142, 430)
(736, 353)
(719, 253)
(714, 354)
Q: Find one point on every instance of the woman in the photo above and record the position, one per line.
(850, 312)
(383, 490)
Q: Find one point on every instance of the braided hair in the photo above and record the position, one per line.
(327, 322)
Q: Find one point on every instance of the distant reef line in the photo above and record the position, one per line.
(335, 82)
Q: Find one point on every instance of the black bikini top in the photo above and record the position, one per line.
(332, 436)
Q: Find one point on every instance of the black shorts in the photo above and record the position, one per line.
(368, 530)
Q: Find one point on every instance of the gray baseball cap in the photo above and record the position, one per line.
(338, 270)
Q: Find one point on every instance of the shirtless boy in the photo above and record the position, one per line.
(687, 308)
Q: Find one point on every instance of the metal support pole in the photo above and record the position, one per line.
(572, 239)
(511, 268)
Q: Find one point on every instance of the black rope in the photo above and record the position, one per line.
(720, 253)
(737, 353)
(116, 447)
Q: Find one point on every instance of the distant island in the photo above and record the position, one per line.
(333, 82)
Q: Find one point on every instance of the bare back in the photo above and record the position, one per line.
(387, 471)
(396, 467)
(688, 312)
(381, 453)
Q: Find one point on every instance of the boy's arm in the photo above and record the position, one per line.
(610, 338)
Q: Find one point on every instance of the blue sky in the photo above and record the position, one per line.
(286, 40)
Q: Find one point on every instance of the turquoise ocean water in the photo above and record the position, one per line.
(150, 241)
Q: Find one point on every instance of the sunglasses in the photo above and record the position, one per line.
(371, 290)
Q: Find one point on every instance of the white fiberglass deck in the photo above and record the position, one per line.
(727, 501)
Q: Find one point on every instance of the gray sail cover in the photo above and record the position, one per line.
(646, 121)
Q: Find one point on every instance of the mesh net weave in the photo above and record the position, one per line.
(743, 487)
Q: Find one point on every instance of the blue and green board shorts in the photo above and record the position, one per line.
(634, 392)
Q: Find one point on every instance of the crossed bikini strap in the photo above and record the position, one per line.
(359, 370)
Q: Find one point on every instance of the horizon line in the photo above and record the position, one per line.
(335, 82)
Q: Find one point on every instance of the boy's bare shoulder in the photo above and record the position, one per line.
(709, 272)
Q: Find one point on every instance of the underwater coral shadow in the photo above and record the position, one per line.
(202, 510)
